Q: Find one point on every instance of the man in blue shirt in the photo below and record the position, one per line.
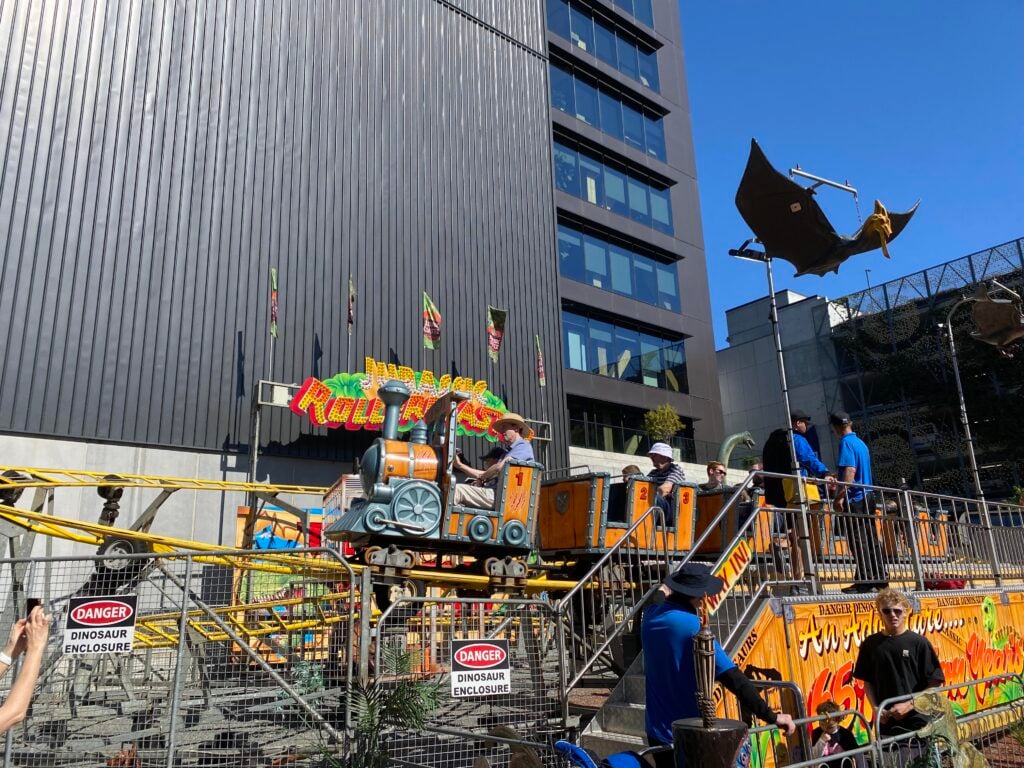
(857, 502)
(668, 629)
(479, 494)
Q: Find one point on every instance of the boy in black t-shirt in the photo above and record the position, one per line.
(897, 662)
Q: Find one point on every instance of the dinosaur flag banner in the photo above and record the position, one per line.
(431, 323)
(350, 400)
(273, 303)
(541, 379)
(495, 331)
(815, 645)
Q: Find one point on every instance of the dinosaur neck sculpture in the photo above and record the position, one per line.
(730, 443)
(943, 727)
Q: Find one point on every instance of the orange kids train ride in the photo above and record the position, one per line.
(569, 520)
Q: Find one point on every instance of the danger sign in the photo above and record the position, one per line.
(480, 668)
(100, 625)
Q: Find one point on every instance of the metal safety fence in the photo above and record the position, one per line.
(960, 724)
(507, 698)
(236, 659)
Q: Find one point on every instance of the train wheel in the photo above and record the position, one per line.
(386, 594)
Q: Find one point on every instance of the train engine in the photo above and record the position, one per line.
(409, 507)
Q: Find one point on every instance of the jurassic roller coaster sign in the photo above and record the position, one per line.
(349, 400)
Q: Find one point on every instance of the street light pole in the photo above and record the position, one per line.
(972, 461)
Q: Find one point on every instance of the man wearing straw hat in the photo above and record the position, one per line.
(668, 630)
(479, 494)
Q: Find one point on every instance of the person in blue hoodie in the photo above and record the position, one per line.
(667, 630)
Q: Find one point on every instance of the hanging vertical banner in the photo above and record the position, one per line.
(541, 380)
(273, 302)
(351, 304)
(495, 331)
(431, 324)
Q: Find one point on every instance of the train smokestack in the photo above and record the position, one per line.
(393, 394)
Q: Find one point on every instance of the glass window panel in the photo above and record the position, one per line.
(627, 355)
(558, 17)
(570, 253)
(644, 12)
(582, 27)
(654, 131)
(632, 127)
(628, 62)
(611, 115)
(604, 42)
(626, 5)
(649, 70)
(595, 260)
(591, 183)
(602, 348)
(674, 356)
(620, 270)
(566, 174)
(615, 192)
(668, 286)
(645, 282)
(586, 102)
(575, 341)
(651, 363)
(586, 97)
(661, 210)
(562, 90)
(639, 208)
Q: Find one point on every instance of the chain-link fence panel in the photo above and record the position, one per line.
(486, 674)
(236, 659)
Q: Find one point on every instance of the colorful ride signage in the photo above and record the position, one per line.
(350, 400)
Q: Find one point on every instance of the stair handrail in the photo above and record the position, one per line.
(655, 518)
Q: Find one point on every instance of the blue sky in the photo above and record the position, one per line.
(907, 100)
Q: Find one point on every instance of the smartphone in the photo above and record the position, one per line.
(30, 604)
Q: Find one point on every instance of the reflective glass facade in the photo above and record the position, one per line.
(642, 356)
(589, 178)
(640, 9)
(605, 109)
(615, 47)
(589, 259)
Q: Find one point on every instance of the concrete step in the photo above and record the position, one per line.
(604, 743)
(635, 689)
(624, 718)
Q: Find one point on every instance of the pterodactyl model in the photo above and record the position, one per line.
(788, 222)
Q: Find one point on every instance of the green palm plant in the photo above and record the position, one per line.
(394, 699)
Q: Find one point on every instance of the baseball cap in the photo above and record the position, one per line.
(798, 415)
(840, 418)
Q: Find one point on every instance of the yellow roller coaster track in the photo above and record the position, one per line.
(96, 533)
(35, 477)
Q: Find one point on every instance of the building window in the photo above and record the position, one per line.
(620, 428)
(640, 9)
(587, 177)
(595, 261)
(642, 356)
(615, 47)
(605, 109)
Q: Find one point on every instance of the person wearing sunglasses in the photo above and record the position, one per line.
(716, 477)
(897, 662)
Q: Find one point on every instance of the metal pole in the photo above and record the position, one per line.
(172, 728)
(805, 540)
(912, 528)
(971, 460)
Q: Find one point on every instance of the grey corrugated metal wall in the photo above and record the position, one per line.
(160, 157)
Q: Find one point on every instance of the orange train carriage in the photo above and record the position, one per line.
(409, 506)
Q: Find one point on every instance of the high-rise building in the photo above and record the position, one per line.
(178, 181)
(636, 326)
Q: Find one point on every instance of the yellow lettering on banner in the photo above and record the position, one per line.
(479, 388)
(444, 384)
(371, 370)
(340, 409)
(406, 375)
(729, 572)
(427, 384)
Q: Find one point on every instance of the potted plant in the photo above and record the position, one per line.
(662, 423)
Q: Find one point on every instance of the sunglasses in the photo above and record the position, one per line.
(719, 471)
(893, 611)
